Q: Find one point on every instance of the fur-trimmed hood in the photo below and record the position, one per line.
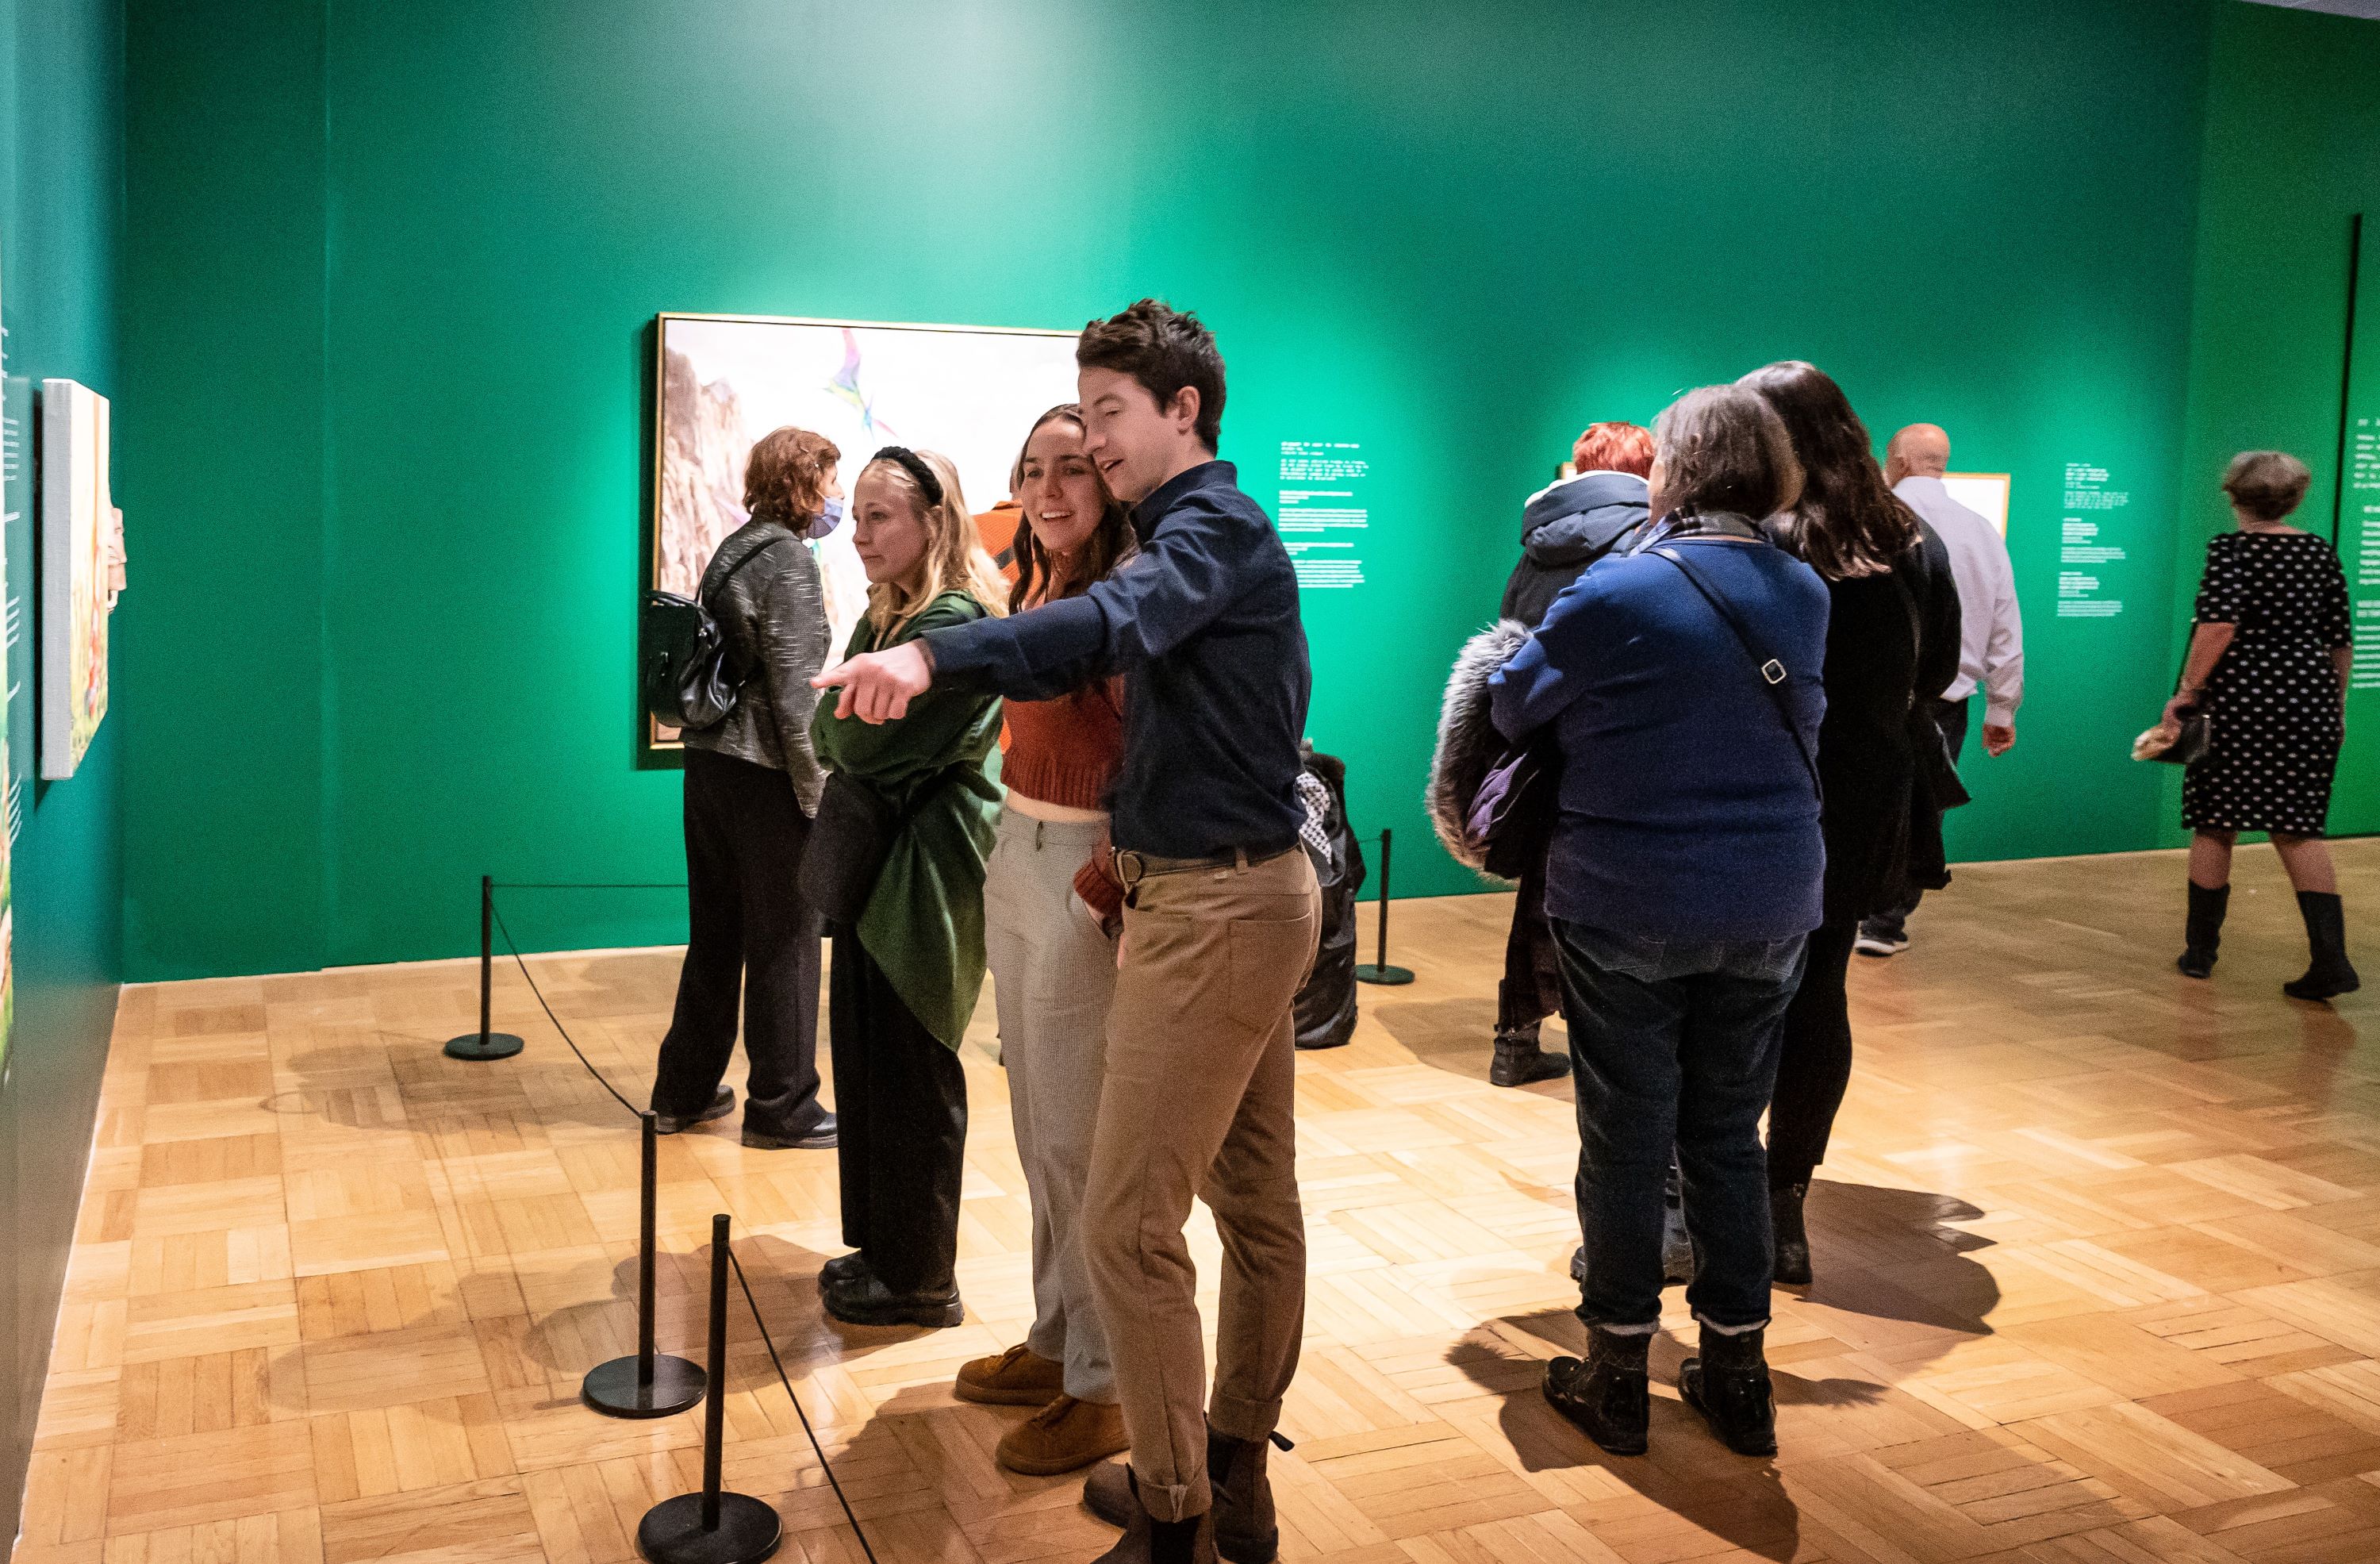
(1467, 740)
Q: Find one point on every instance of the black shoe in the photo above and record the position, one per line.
(1729, 1384)
(1608, 1394)
(842, 1268)
(2204, 930)
(2330, 974)
(1145, 1539)
(1792, 1238)
(866, 1301)
(1519, 1060)
(1246, 1528)
(818, 1137)
(721, 1104)
(1881, 940)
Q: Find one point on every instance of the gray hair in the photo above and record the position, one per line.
(2266, 484)
(1723, 449)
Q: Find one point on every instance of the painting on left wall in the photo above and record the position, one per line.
(82, 571)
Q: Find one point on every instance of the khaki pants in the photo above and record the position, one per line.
(1199, 1100)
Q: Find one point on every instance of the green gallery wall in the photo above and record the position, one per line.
(388, 366)
(371, 289)
(61, 80)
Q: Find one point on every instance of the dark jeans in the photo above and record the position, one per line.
(748, 927)
(1673, 1043)
(1531, 989)
(1813, 1062)
(899, 1098)
(1951, 717)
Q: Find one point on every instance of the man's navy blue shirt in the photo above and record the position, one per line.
(1203, 623)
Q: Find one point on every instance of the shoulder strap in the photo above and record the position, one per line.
(1774, 674)
(755, 553)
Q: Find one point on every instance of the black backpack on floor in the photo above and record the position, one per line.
(1325, 1008)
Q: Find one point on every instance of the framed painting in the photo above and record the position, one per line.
(81, 572)
(724, 381)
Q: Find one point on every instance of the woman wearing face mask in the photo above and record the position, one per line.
(752, 784)
(907, 975)
(1049, 907)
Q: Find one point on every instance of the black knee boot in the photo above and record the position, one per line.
(2330, 973)
(2206, 910)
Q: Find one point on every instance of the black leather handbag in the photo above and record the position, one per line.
(691, 679)
(849, 840)
(2189, 746)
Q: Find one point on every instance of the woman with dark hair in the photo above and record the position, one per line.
(752, 784)
(1893, 629)
(1051, 910)
(2268, 664)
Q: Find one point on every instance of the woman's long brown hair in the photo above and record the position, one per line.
(1848, 521)
(1110, 545)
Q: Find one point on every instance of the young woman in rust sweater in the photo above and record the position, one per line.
(1050, 906)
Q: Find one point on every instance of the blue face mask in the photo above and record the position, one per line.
(827, 520)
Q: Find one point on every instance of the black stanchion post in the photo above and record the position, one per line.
(651, 1383)
(1380, 972)
(711, 1527)
(484, 1044)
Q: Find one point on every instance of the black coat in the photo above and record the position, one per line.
(1565, 528)
(1888, 637)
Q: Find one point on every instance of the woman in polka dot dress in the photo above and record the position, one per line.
(2268, 663)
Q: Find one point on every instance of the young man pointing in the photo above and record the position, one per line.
(1221, 919)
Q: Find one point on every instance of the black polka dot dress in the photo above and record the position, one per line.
(2272, 702)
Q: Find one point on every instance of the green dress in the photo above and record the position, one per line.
(924, 921)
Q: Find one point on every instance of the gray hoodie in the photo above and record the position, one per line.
(1566, 528)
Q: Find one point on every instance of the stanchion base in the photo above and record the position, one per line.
(611, 1389)
(1390, 976)
(471, 1045)
(672, 1532)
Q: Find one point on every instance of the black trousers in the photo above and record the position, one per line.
(899, 1098)
(1814, 1065)
(1531, 987)
(1951, 715)
(748, 927)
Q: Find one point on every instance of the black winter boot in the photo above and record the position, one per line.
(1245, 1531)
(1148, 1540)
(1729, 1384)
(2207, 906)
(1519, 1060)
(1607, 1393)
(2326, 921)
(1793, 1239)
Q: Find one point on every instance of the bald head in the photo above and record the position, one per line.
(1922, 451)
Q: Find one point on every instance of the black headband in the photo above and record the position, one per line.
(915, 466)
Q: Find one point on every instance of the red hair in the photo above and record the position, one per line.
(1614, 448)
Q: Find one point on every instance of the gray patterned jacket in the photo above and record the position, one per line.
(774, 612)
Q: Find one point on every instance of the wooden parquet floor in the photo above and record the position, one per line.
(2098, 1253)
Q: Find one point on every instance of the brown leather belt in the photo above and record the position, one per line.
(1131, 867)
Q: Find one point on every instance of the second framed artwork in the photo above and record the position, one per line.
(724, 381)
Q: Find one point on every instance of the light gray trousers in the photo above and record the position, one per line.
(1052, 973)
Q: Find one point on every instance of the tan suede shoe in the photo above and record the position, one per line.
(1063, 1435)
(1018, 1377)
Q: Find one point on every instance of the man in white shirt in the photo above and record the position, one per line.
(1991, 651)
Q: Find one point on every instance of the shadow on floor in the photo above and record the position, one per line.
(1885, 1260)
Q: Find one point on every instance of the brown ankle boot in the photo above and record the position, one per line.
(1246, 1528)
(1148, 1540)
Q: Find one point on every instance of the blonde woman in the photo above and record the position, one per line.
(907, 969)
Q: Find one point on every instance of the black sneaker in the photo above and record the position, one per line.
(721, 1107)
(1874, 939)
(818, 1137)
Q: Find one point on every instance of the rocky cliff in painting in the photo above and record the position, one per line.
(701, 479)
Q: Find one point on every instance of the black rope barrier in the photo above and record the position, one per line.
(770, 1342)
(643, 1406)
(1379, 971)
